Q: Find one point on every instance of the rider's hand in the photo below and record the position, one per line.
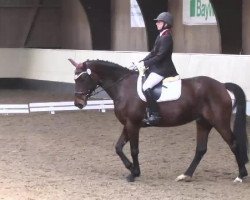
(140, 66)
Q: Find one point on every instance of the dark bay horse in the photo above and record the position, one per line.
(203, 99)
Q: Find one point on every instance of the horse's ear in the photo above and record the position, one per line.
(74, 63)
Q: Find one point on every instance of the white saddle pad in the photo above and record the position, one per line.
(171, 90)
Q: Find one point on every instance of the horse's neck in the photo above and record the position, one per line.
(111, 82)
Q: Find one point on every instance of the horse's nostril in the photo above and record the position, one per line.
(78, 105)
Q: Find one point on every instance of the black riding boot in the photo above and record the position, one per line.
(153, 110)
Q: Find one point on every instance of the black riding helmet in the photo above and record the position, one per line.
(165, 17)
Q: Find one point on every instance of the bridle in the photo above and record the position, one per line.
(90, 93)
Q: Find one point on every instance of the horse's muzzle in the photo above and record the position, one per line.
(80, 103)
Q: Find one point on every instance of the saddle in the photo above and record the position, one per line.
(168, 89)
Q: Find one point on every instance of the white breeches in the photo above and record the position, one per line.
(152, 80)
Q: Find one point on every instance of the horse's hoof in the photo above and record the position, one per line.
(130, 178)
(184, 177)
(238, 180)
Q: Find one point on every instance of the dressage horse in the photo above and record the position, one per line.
(202, 99)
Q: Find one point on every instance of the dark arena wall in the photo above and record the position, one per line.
(105, 25)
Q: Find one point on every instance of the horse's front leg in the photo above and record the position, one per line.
(123, 139)
(133, 133)
(130, 133)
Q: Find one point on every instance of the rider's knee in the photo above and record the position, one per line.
(145, 87)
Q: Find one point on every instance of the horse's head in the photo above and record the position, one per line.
(84, 83)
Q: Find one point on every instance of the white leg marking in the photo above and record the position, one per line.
(238, 180)
(183, 177)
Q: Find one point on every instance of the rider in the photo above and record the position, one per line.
(159, 64)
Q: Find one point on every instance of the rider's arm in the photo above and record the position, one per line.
(165, 45)
(150, 55)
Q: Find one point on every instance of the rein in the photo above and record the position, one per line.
(90, 93)
(112, 85)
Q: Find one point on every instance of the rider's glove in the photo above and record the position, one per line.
(141, 68)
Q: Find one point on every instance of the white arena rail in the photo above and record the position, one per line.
(14, 108)
(101, 105)
(51, 107)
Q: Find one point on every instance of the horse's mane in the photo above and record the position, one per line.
(111, 66)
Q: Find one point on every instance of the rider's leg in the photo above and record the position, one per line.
(153, 115)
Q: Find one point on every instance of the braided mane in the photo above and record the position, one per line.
(110, 65)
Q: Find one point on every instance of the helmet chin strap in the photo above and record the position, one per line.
(164, 27)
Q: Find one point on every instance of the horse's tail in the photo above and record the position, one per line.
(239, 128)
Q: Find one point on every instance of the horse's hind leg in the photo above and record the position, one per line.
(229, 138)
(203, 129)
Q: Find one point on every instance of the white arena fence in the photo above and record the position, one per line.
(14, 108)
(52, 107)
